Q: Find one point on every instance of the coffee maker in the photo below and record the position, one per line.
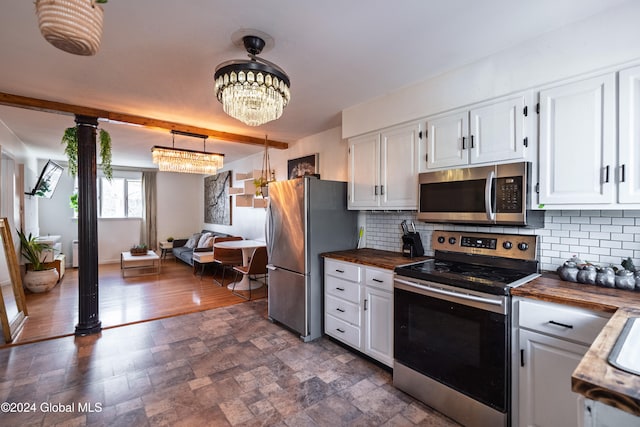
(411, 241)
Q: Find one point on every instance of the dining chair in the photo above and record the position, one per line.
(226, 257)
(257, 267)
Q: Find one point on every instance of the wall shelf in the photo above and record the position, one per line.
(246, 195)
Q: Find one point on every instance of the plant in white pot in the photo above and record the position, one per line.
(40, 277)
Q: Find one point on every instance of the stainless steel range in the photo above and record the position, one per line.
(452, 323)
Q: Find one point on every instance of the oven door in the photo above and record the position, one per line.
(460, 340)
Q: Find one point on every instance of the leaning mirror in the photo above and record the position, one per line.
(13, 308)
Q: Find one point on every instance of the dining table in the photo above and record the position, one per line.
(248, 247)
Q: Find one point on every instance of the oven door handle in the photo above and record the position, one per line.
(449, 293)
(488, 199)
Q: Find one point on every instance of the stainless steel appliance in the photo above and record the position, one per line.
(498, 194)
(452, 324)
(305, 217)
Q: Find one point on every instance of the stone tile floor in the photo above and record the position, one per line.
(222, 367)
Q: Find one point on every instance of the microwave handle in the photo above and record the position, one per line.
(488, 186)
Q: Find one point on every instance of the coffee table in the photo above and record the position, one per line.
(140, 264)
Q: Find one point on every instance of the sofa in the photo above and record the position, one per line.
(183, 248)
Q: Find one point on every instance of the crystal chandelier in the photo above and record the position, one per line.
(186, 161)
(253, 91)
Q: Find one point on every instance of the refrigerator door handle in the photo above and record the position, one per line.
(267, 231)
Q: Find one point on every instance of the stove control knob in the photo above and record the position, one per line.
(441, 239)
(452, 240)
(523, 246)
(507, 245)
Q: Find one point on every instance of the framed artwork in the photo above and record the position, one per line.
(307, 165)
(217, 200)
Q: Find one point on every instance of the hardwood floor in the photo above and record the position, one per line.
(176, 290)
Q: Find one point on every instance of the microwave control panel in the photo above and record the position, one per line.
(509, 194)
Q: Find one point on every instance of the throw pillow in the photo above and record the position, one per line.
(208, 243)
(193, 241)
(202, 240)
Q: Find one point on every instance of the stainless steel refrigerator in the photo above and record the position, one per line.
(305, 217)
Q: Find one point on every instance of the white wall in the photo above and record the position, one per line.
(601, 41)
(332, 159)
(180, 204)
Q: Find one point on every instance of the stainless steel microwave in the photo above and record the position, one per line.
(498, 194)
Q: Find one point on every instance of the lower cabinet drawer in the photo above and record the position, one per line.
(340, 288)
(342, 310)
(343, 331)
(570, 323)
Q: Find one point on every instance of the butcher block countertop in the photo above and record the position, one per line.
(373, 257)
(594, 377)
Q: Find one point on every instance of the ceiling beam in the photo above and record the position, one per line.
(70, 109)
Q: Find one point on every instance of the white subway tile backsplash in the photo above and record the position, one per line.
(605, 237)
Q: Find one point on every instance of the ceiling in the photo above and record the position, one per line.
(158, 57)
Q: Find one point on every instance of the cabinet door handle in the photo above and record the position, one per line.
(471, 141)
(340, 310)
(464, 146)
(564, 325)
(340, 330)
(382, 190)
(622, 178)
(606, 174)
(375, 190)
(365, 305)
(340, 289)
(378, 280)
(339, 271)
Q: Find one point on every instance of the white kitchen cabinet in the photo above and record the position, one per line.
(552, 339)
(489, 132)
(383, 169)
(629, 136)
(598, 414)
(359, 308)
(578, 142)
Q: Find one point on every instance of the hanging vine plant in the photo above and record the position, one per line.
(70, 139)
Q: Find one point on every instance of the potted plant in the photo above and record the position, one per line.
(39, 276)
(70, 139)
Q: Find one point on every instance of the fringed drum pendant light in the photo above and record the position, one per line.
(253, 91)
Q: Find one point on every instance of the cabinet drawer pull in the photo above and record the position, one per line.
(339, 271)
(340, 330)
(564, 325)
(340, 289)
(378, 280)
(340, 310)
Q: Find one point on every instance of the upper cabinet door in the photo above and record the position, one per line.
(447, 139)
(577, 142)
(399, 167)
(629, 143)
(364, 170)
(498, 130)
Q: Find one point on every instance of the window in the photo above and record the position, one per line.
(120, 198)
